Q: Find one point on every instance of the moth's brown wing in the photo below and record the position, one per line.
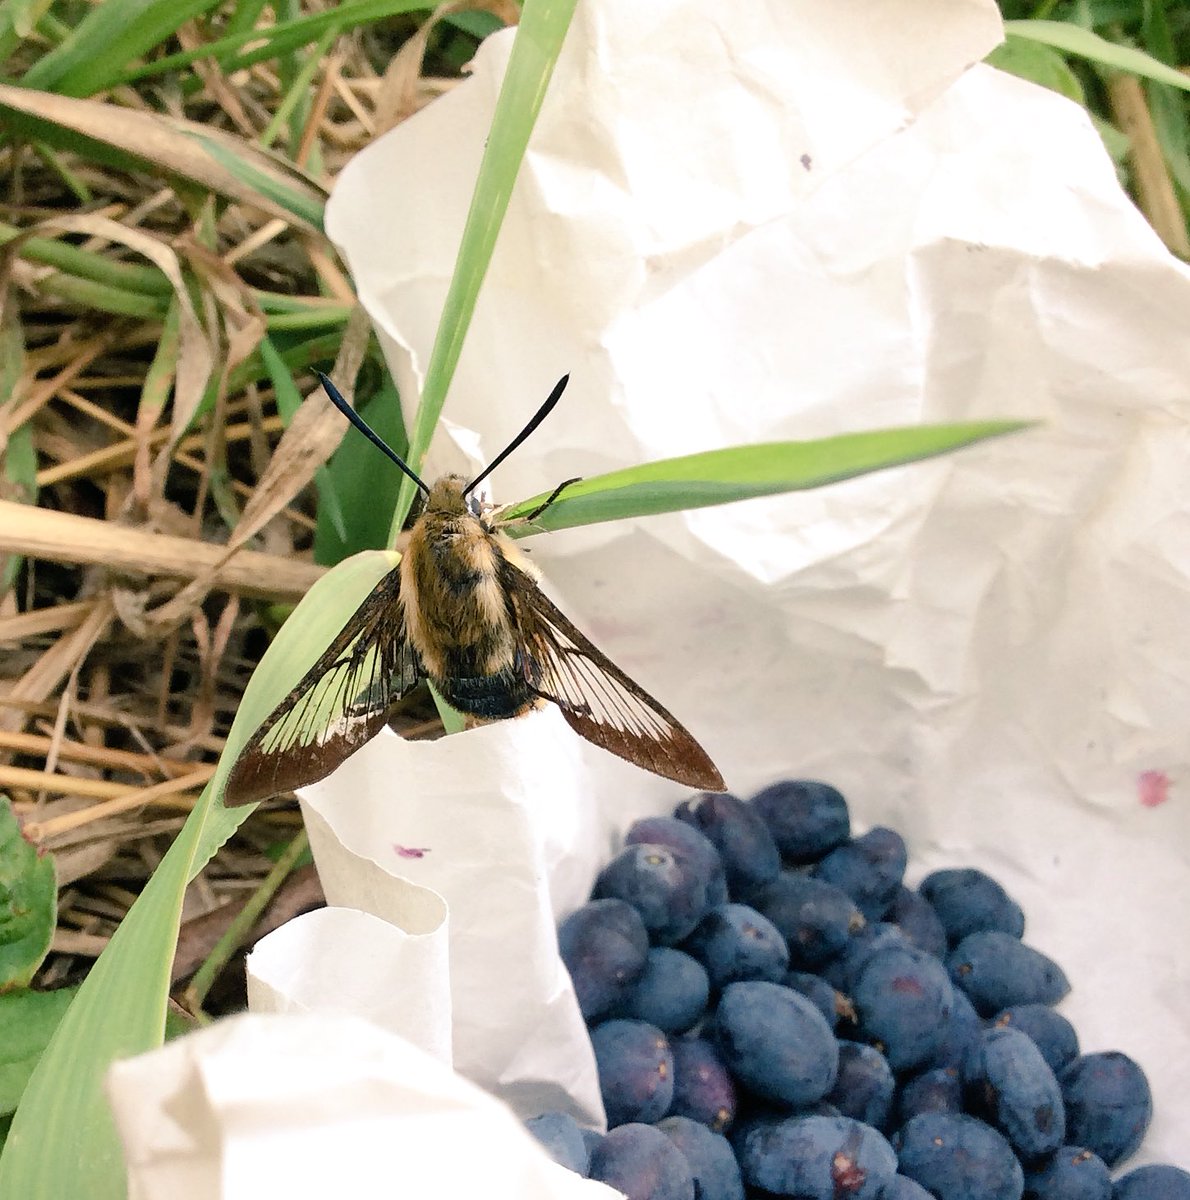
(600, 702)
(337, 706)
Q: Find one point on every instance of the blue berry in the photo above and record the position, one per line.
(775, 1042)
(844, 971)
(591, 1139)
(833, 1004)
(967, 901)
(636, 1071)
(1108, 1104)
(817, 1158)
(734, 942)
(915, 917)
(1019, 1094)
(869, 869)
(939, 1090)
(687, 843)
(750, 856)
(864, 1085)
(903, 999)
(605, 946)
(1053, 1033)
(961, 1035)
(643, 1163)
(669, 891)
(703, 1087)
(958, 1158)
(815, 918)
(671, 994)
(806, 818)
(904, 1188)
(711, 1160)
(997, 970)
(1071, 1173)
(560, 1135)
(1157, 1182)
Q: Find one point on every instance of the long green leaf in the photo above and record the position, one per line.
(744, 472)
(1073, 39)
(62, 1142)
(538, 42)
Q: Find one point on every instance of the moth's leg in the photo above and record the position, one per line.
(551, 498)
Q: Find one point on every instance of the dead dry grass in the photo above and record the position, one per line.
(146, 552)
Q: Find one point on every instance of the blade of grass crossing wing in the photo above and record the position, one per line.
(120, 1009)
(744, 472)
(538, 42)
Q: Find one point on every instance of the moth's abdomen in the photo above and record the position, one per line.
(491, 697)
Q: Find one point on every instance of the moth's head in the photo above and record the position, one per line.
(448, 497)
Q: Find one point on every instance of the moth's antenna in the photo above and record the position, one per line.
(368, 432)
(538, 417)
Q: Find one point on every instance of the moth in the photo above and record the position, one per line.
(463, 609)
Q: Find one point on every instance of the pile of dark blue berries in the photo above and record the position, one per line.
(775, 1014)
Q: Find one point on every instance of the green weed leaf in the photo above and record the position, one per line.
(28, 903)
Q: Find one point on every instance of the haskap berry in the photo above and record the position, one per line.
(804, 1025)
(671, 994)
(1070, 1173)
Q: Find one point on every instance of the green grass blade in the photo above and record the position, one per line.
(1038, 63)
(18, 18)
(743, 472)
(535, 51)
(297, 93)
(62, 1142)
(86, 264)
(1073, 39)
(275, 40)
(106, 40)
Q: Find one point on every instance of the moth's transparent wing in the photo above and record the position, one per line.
(337, 706)
(600, 703)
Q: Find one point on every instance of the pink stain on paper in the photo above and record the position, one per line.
(1152, 788)
(411, 851)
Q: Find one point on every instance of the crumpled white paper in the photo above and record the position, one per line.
(792, 222)
(315, 1106)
